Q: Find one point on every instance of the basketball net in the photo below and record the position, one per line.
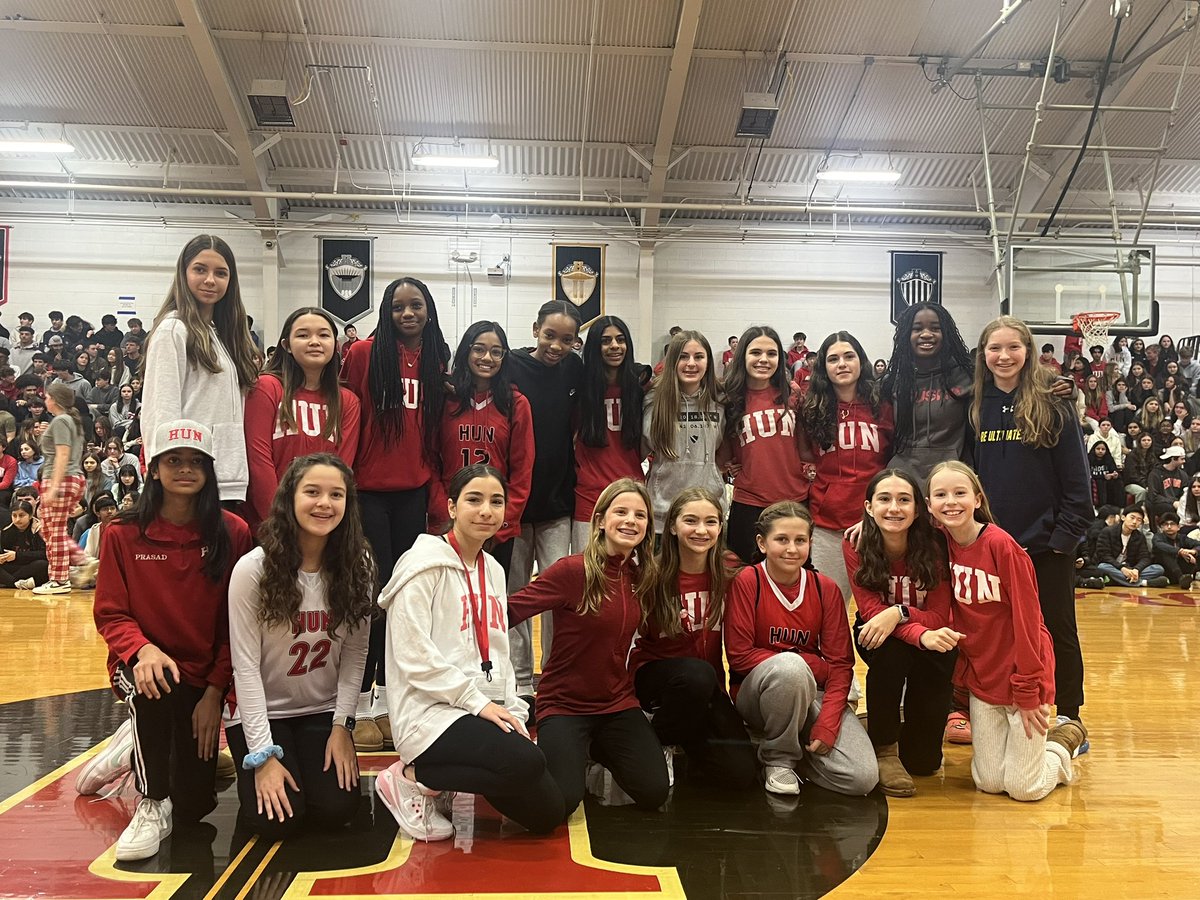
(1094, 327)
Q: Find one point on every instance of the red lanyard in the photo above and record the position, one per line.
(478, 607)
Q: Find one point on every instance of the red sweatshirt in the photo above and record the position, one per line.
(808, 620)
(586, 674)
(927, 611)
(766, 451)
(269, 450)
(1007, 657)
(598, 467)
(396, 464)
(862, 447)
(482, 434)
(698, 639)
(153, 590)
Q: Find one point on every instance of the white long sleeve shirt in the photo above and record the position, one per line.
(173, 388)
(285, 671)
(433, 662)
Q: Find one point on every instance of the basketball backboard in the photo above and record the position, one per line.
(1049, 282)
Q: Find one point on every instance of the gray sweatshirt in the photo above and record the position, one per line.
(697, 440)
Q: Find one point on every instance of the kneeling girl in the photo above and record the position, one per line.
(299, 621)
(457, 720)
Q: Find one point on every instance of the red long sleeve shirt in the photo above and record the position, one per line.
(598, 467)
(388, 464)
(270, 450)
(483, 434)
(927, 610)
(586, 674)
(1007, 657)
(766, 451)
(698, 640)
(806, 619)
(152, 589)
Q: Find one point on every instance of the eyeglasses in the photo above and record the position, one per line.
(496, 353)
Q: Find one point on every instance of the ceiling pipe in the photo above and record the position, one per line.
(1009, 11)
(465, 201)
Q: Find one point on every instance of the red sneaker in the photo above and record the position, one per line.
(958, 728)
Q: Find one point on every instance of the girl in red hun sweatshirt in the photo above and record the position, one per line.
(297, 407)
(398, 375)
(846, 428)
(586, 701)
(679, 673)
(608, 444)
(161, 608)
(1006, 657)
(788, 643)
(759, 428)
(487, 422)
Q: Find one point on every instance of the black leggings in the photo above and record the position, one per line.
(739, 530)
(477, 757)
(623, 742)
(391, 522)
(691, 709)
(894, 669)
(319, 801)
(1056, 590)
(38, 570)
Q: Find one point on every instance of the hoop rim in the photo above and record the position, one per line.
(1101, 317)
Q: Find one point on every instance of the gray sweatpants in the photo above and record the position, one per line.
(545, 543)
(780, 699)
(827, 556)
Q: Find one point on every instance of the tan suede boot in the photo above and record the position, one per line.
(894, 779)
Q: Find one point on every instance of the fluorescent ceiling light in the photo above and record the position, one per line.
(26, 146)
(435, 161)
(884, 176)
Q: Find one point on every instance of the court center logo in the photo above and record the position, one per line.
(916, 278)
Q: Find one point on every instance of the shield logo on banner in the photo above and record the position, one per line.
(916, 286)
(346, 276)
(578, 282)
(916, 278)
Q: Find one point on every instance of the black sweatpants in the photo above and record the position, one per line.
(691, 709)
(1173, 564)
(739, 530)
(38, 570)
(391, 521)
(622, 742)
(319, 801)
(897, 669)
(1056, 589)
(476, 757)
(166, 761)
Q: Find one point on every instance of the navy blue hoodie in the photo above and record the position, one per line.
(1042, 496)
(552, 392)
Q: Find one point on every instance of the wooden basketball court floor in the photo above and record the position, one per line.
(1129, 827)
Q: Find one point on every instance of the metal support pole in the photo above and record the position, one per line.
(991, 194)
(1006, 14)
(1126, 303)
(1037, 120)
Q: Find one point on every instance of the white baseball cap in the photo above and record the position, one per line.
(1173, 453)
(184, 433)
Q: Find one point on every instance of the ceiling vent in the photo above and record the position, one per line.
(758, 116)
(269, 103)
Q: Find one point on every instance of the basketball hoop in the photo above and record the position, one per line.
(1094, 327)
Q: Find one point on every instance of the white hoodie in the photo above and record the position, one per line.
(433, 663)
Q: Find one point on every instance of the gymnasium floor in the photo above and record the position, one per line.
(1130, 827)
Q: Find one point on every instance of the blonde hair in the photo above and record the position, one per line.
(662, 590)
(1036, 413)
(595, 554)
(984, 512)
(667, 398)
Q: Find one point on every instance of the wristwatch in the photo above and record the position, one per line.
(346, 722)
(904, 613)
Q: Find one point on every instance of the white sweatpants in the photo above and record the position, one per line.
(546, 543)
(1006, 761)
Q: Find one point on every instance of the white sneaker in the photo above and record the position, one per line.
(782, 780)
(53, 587)
(24, 584)
(411, 805)
(150, 824)
(109, 764)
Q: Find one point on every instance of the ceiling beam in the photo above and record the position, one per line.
(38, 26)
(229, 103)
(668, 117)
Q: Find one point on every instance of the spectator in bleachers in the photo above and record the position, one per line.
(1175, 551)
(1123, 554)
(63, 371)
(108, 335)
(20, 357)
(56, 327)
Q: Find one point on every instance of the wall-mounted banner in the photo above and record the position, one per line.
(5, 230)
(345, 277)
(916, 278)
(579, 278)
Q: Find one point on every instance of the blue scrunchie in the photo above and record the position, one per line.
(257, 758)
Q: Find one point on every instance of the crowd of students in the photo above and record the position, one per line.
(401, 495)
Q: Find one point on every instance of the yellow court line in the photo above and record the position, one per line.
(258, 871)
(229, 869)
